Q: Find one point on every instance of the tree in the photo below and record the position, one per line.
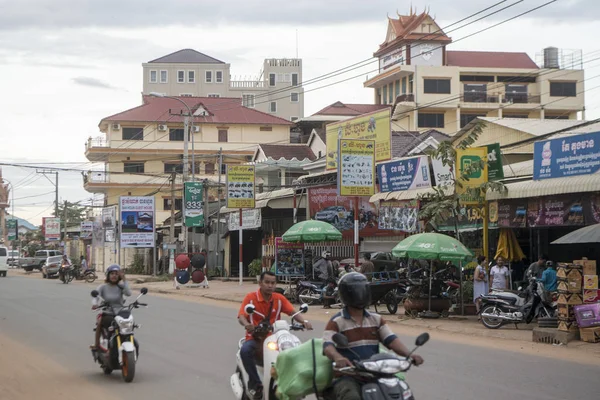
(75, 213)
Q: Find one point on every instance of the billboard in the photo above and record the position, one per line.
(51, 228)
(251, 219)
(109, 223)
(12, 229)
(373, 126)
(137, 221)
(405, 174)
(464, 160)
(567, 156)
(356, 174)
(289, 258)
(87, 227)
(399, 215)
(240, 186)
(192, 197)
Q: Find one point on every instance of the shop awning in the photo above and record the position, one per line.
(404, 194)
(275, 199)
(548, 187)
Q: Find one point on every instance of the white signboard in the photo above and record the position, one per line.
(52, 228)
(395, 57)
(87, 228)
(137, 221)
(444, 176)
(109, 217)
(251, 219)
(426, 54)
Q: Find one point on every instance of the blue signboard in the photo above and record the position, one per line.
(567, 156)
(399, 175)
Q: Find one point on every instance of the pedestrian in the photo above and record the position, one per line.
(83, 265)
(323, 267)
(480, 282)
(549, 277)
(499, 275)
(367, 266)
(536, 269)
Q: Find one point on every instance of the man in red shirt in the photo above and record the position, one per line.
(270, 304)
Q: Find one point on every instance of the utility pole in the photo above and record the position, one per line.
(186, 170)
(65, 228)
(206, 223)
(219, 211)
(173, 239)
(55, 183)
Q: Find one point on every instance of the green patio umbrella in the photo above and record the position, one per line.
(312, 231)
(432, 246)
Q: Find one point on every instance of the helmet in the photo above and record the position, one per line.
(325, 254)
(354, 290)
(112, 268)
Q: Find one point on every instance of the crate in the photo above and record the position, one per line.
(588, 266)
(591, 296)
(590, 282)
(567, 287)
(571, 299)
(588, 315)
(590, 335)
(566, 326)
(566, 311)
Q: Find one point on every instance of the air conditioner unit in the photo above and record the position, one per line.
(196, 129)
(116, 127)
(162, 128)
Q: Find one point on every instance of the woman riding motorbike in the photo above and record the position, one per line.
(112, 293)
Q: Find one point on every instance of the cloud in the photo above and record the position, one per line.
(93, 82)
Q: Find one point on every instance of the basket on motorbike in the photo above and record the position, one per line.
(384, 286)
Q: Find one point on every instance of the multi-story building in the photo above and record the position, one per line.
(277, 90)
(432, 87)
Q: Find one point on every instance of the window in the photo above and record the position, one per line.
(176, 135)
(209, 168)
(563, 89)
(476, 78)
(223, 169)
(208, 76)
(266, 128)
(222, 135)
(219, 76)
(516, 93)
(294, 97)
(2, 252)
(180, 76)
(133, 133)
(515, 115)
(186, 95)
(273, 107)
(167, 204)
(248, 100)
(272, 79)
(466, 118)
(191, 76)
(214, 95)
(294, 79)
(391, 93)
(133, 167)
(436, 86)
(431, 120)
(475, 93)
(173, 167)
(404, 85)
(397, 87)
(385, 95)
(556, 117)
(164, 76)
(153, 76)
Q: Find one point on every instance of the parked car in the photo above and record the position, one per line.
(51, 267)
(383, 261)
(13, 258)
(333, 214)
(37, 261)
(3, 261)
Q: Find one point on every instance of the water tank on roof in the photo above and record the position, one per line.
(551, 57)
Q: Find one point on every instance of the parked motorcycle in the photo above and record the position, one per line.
(505, 307)
(89, 275)
(118, 347)
(378, 374)
(312, 293)
(279, 339)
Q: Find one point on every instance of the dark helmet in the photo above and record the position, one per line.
(354, 290)
(112, 268)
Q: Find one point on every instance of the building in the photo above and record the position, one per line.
(432, 87)
(277, 89)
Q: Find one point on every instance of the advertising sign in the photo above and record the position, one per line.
(97, 232)
(567, 156)
(512, 213)
(495, 170)
(289, 258)
(51, 228)
(402, 215)
(394, 57)
(373, 126)
(469, 217)
(137, 221)
(12, 229)
(251, 219)
(192, 197)
(464, 160)
(555, 211)
(240, 186)
(109, 217)
(356, 175)
(406, 174)
(87, 227)
(442, 174)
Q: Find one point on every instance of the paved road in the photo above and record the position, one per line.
(187, 351)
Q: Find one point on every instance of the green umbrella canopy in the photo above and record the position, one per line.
(312, 231)
(432, 246)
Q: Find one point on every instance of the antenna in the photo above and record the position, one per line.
(296, 43)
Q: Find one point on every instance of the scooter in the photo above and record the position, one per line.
(279, 339)
(118, 348)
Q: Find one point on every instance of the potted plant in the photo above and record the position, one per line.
(255, 268)
(467, 287)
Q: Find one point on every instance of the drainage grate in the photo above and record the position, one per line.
(548, 340)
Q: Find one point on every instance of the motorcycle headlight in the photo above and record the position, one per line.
(125, 325)
(390, 366)
(287, 342)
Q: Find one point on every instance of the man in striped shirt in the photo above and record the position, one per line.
(364, 330)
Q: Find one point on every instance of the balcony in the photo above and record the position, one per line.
(492, 100)
(95, 148)
(405, 98)
(479, 97)
(247, 84)
(521, 98)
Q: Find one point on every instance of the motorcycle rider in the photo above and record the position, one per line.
(323, 267)
(536, 269)
(113, 293)
(549, 277)
(64, 265)
(83, 265)
(365, 331)
(271, 305)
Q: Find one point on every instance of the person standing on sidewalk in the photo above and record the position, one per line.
(499, 275)
(480, 282)
(367, 266)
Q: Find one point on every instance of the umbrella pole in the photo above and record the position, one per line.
(462, 301)
(430, 274)
(510, 282)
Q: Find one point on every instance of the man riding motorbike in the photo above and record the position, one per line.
(365, 331)
(323, 267)
(65, 264)
(113, 293)
(270, 304)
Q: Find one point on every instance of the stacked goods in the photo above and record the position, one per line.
(591, 294)
(570, 283)
(588, 319)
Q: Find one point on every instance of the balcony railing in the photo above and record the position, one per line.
(485, 97)
(284, 62)
(405, 98)
(247, 84)
(521, 98)
(96, 142)
(479, 97)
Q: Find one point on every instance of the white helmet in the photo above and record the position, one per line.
(325, 254)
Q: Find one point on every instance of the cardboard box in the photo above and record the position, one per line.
(566, 311)
(589, 266)
(590, 282)
(572, 299)
(588, 315)
(591, 296)
(569, 287)
(566, 326)
(590, 335)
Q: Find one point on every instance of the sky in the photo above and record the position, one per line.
(66, 64)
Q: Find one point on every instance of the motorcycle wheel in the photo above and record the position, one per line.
(89, 278)
(128, 368)
(107, 371)
(304, 296)
(391, 302)
(490, 323)
(70, 278)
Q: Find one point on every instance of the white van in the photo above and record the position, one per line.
(3, 261)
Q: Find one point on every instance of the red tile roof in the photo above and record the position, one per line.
(339, 108)
(489, 59)
(288, 152)
(221, 110)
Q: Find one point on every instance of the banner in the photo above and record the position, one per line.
(464, 160)
(97, 233)
(137, 221)
(373, 126)
(567, 156)
(87, 227)
(511, 213)
(251, 219)
(555, 211)
(109, 223)
(51, 228)
(406, 174)
(470, 217)
(289, 258)
(356, 175)
(240, 186)
(401, 215)
(12, 228)
(442, 174)
(495, 170)
(193, 206)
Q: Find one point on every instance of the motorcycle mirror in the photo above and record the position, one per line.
(520, 288)
(422, 339)
(249, 309)
(94, 293)
(144, 290)
(304, 308)
(340, 340)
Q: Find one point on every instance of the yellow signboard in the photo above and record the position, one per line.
(240, 186)
(373, 126)
(465, 159)
(356, 174)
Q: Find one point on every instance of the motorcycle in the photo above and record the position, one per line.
(278, 339)
(118, 347)
(66, 275)
(503, 307)
(312, 293)
(378, 374)
(89, 275)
